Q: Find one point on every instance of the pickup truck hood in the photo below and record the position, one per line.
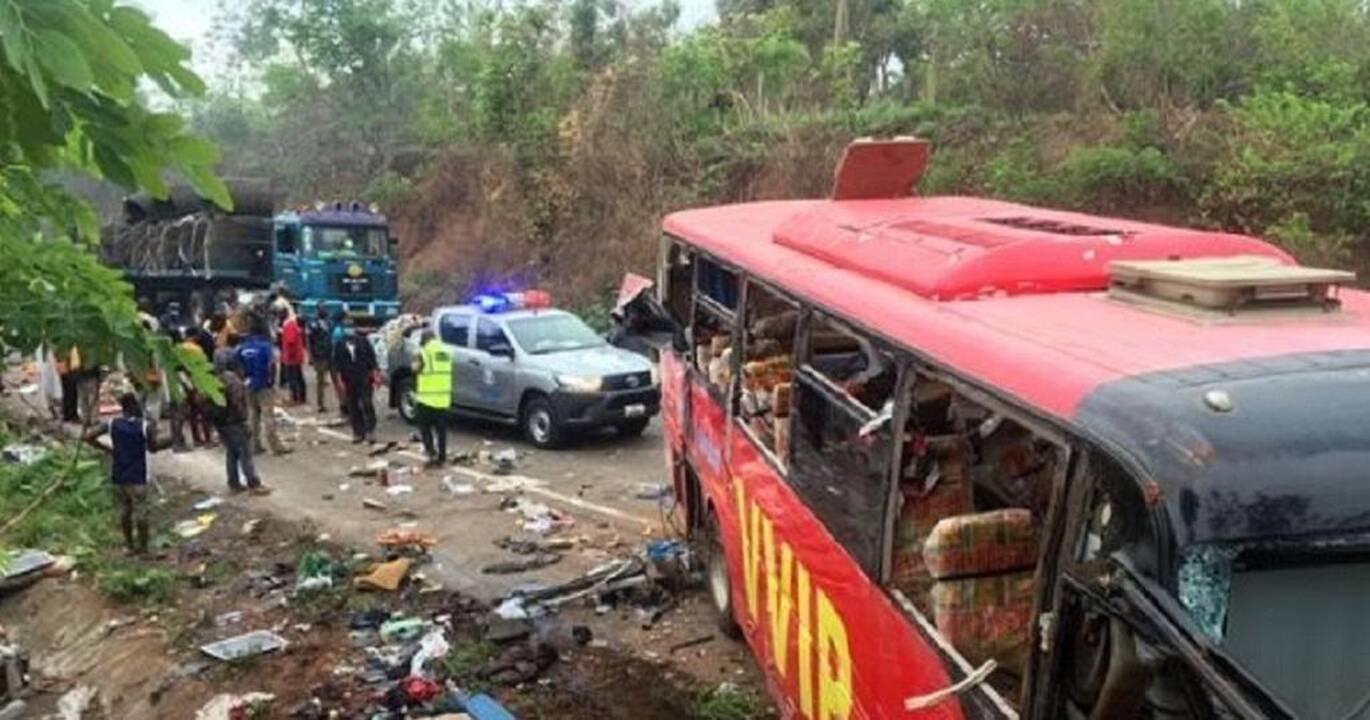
(590, 362)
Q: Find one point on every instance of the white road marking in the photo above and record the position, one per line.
(525, 483)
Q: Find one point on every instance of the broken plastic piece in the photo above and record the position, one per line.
(246, 645)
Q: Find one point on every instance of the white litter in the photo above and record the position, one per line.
(73, 705)
(396, 490)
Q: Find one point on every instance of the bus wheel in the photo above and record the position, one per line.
(716, 574)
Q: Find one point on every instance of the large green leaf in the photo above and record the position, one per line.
(63, 58)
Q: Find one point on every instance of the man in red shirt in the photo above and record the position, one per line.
(292, 359)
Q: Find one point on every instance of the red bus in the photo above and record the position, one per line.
(951, 457)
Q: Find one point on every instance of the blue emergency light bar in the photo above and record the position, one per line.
(498, 302)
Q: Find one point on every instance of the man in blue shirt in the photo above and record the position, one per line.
(131, 439)
(258, 358)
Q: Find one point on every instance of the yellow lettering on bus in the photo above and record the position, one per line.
(751, 555)
(834, 663)
(778, 599)
(805, 645)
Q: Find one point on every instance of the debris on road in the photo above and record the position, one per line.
(24, 567)
(370, 504)
(229, 706)
(74, 702)
(208, 503)
(504, 461)
(190, 528)
(403, 629)
(389, 446)
(531, 562)
(23, 453)
(396, 538)
(456, 488)
(385, 576)
(369, 470)
(247, 645)
(397, 490)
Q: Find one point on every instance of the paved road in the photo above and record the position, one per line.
(596, 481)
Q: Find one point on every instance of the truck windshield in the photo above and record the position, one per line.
(1298, 628)
(540, 334)
(327, 242)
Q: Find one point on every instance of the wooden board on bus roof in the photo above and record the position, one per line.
(1226, 272)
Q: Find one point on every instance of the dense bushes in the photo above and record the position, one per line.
(556, 135)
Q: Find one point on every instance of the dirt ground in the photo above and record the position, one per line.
(145, 660)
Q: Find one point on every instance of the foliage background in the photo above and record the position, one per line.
(541, 141)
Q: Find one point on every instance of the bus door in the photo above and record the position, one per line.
(675, 283)
(712, 361)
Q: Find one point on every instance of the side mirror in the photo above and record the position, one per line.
(502, 350)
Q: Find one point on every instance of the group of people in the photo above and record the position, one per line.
(253, 348)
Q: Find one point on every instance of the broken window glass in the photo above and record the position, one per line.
(1205, 582)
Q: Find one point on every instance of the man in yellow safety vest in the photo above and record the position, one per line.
(433, 396)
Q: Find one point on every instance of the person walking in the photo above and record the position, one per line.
(292, 359)
(258, 359)
(433, 368)
(320, 336)
(131, 439)
(230, 420)
(355, 362)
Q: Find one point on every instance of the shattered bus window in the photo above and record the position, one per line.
(767, 388)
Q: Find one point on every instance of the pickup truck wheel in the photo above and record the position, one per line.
(716, 575)
(634, 427)
(408, 401)
(540, 424)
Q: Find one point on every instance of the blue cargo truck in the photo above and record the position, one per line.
(338, 255)
(182, 249)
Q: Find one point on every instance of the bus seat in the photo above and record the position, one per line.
(983, 567)
(922, 508)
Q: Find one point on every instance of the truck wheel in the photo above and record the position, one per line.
(634, 427)
(408, 400)
(716, 575)
(540, 424)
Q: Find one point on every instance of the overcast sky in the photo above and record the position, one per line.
(189, 21)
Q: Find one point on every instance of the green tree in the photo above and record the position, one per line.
(68, 86)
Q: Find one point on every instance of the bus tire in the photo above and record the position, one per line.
(716, 577)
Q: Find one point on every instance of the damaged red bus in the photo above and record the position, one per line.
(950, 457)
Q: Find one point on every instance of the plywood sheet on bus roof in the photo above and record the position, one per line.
(1243, 270)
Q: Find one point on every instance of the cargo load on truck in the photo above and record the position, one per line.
(184, 241)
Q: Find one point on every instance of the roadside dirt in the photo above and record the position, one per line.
(238, 576)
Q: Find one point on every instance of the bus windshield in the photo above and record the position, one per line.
(1313, 612)
(325, 242)
(542, 334)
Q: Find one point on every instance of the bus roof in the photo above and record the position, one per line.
(987, 297)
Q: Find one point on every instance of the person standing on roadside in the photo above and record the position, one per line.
(335, 338)
(433, 368)
(320, 336)
(292, 359)
(131, 439)
(192, 402)
(258, 359)
(355, 361)
(230, 419)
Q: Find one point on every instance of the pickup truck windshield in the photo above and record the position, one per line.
(542, 334)
(345, 242)
(1298, 629)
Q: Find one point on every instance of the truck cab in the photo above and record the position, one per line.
(340, 255)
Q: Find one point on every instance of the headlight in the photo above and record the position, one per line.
(656, 374)
(580, 383)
